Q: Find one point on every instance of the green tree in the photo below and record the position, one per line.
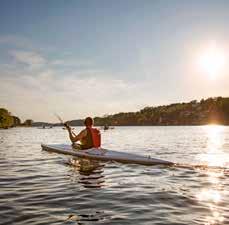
(6, 120)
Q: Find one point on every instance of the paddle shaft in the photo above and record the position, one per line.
(59, 118)
(64, 123)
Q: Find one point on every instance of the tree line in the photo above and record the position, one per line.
(7, 120)
(207, 111)
(210, 110)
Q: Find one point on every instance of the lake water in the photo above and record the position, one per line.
(37, 187)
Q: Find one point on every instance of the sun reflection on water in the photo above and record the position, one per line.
(215, 134)
(214, 155)
(212, 195)
(209, 195)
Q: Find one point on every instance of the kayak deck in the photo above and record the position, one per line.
(104, 155)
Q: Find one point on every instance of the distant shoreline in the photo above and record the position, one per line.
(206, 111)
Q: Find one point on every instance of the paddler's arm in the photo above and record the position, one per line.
(73, 137)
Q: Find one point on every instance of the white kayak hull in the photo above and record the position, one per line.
(104, 155)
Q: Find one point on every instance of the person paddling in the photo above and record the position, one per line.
(89, 137)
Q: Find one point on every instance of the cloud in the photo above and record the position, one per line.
(39, 96)
(29, 58)
(78, 88)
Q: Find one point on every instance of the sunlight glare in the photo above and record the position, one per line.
(212, 198)
(209, 195)
(212, 61)
(215, 138)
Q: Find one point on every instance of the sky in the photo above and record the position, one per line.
(93, 58)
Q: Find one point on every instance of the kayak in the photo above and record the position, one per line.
(102, 154)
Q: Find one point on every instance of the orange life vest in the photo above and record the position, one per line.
(96, 137)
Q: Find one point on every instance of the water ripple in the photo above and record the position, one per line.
(41, 188)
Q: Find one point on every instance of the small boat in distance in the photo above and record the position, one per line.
(107, 127)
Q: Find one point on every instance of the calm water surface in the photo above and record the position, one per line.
(37, 187)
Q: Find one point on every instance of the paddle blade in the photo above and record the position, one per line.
(59, 118)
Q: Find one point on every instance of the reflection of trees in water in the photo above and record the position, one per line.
(90, 172)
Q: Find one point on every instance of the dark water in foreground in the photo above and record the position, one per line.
(37, 187)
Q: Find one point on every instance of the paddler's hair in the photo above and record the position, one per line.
(88, 121)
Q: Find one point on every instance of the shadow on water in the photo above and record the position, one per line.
(90, 217)
(90, 172)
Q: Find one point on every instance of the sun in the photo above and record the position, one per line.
(212, 61)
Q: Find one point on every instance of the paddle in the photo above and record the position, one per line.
(59, 118)
(64, 123)
(61, 121)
